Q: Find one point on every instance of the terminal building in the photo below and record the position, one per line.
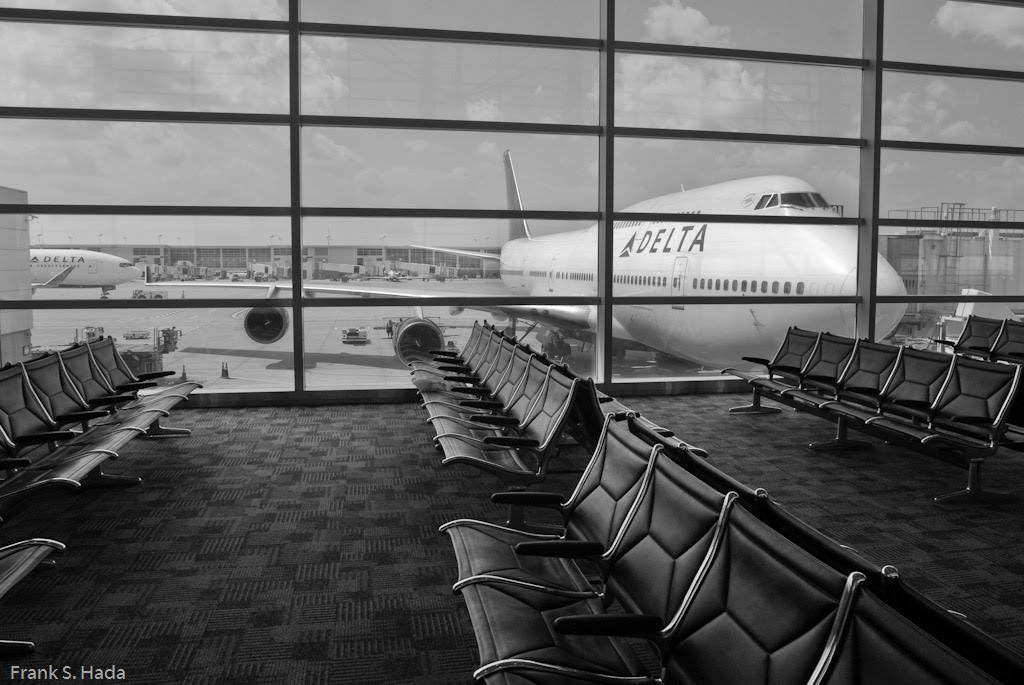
(280, 210)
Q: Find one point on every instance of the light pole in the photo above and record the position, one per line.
(100, 236)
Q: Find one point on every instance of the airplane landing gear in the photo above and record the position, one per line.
(556, 347)
(105, 293)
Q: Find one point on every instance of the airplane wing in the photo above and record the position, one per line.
(57, 278)
(462, 253)
(573, 317)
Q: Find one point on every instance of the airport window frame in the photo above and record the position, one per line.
(872, 65)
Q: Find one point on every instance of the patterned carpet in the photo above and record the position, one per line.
(299, 545)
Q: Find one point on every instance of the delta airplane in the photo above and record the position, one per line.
(669, 258)
(59, 268)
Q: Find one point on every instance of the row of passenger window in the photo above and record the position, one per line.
(719, 284)
(640, 279)
(747, 286)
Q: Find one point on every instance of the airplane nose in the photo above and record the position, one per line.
(888, 315)
(138, 273)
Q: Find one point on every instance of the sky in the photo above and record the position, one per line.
(196, 164)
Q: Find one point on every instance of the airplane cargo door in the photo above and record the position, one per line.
(552, 274)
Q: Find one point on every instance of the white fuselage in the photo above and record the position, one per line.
(91, 269)
(694, 258)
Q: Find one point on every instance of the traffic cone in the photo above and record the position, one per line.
(184, 376)
(224, 370)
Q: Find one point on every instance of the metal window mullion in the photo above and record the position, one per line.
(606, 195)
(295, 176)
(527, 40)
(953, 71)
(708, 52)
(152, 21)
(433, 124)
(870, 165)
(144, 210)
(736, 136)
(739, 218)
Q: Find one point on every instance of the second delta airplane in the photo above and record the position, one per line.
(60, 268)
(667, 258)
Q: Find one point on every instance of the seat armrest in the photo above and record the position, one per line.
(14, 463)
(132, 387)
(527, 497)
(445, 353)
(495, 420)
(510, 441)
(481, 404)
(605, 398)
(45, 436)
(82, 416)
(154, 374)
(560, 548)
(609, 624)
(911, 404)
(463, 379)
(110, 399)
(455, 368)
(973, 420)
(474, 390)
(756, 360)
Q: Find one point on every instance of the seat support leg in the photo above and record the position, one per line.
(155, 430)
(842, 440)
(16, 647)
(973, 492)
(755, 406)
(98, 479)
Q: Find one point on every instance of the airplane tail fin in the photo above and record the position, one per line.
(517, 228)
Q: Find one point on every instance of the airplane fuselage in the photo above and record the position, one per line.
(704, 259)
(91, 269)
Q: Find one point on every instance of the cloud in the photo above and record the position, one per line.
(658, 91)
(324, 148)
(143, 68)
(926, 112)
(417, 144)
(674, 23)
(483, 109)
(1001, 25)
(670, 92)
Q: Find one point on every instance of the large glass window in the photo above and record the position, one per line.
(649, 171)
(360, 167)
(50, 65)
(466, 81)
(448, 159)
(251, 9)
(145, 163)
(659, 91)
(825, 27)
(573, 18)
(962, 34)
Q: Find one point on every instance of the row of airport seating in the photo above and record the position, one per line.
(725, 585)
(953, 407)
(991, 339)
(501, 407)
(62, 416)
(657, 544)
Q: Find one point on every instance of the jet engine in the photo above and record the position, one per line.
(266, 325)
(415, 337)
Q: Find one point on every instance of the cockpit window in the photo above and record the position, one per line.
(124, 264)
(767, 201)
(809, 200)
